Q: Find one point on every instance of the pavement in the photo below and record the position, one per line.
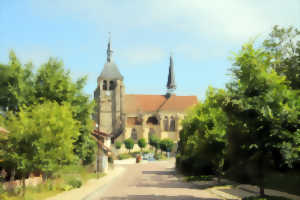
(157, 180)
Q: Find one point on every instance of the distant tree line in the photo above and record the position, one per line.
(254, 124)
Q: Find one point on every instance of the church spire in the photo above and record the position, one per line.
(171, 85)
(109, 51)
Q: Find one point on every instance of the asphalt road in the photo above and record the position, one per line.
(154, 180)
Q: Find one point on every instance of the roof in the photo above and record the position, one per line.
(153, 103)
(110, 71)
(171, 77)
(3, 130)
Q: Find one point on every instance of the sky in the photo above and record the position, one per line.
(202, 36)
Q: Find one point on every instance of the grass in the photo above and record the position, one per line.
(265, 198)
(65, 179)
(199, 178)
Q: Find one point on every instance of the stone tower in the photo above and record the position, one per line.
(109, 97)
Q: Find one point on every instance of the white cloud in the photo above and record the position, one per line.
(142, 54)
(232, 20)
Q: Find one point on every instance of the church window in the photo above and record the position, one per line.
(166, 123)
(104, 85)
(134, 134)
(111, 85)
(132, 121)
(172, 124)
(152, 121)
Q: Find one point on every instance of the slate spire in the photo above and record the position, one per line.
(109, 51)
(171, 85)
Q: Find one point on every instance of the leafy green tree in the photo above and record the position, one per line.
(166, 145)
(202, 145)
(284, 46)
(41, 139)
(54, 83)
(19, 86)
(261, 100)
(129, 143)
(16, 84)
(142, 143)
(154, 142)
(118, 145)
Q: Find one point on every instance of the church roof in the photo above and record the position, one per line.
(135, 103)
(171, 77)
(110, 71)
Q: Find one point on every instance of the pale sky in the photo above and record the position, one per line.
(201, 34)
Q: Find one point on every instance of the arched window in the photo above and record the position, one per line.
(166, 123)
(134, 134)
(172, 124)
(111, 85)
(152, 120)
(104, 85)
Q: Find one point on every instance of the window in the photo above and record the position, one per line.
(104, 85)
(111, 85)
(172, 124)
(152, 121)
(166, 123)
(132, 121)
(134, 134)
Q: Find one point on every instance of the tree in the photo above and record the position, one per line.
(41, 139)
(16, 84)
(129, 143)
(284, 46)
(202, 145)
(142, 143)
(54, 83)
(261, 100)
(166, 145)
(154, 142)
(118, 145)
(19, 86)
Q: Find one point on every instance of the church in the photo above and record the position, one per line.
(136, 116)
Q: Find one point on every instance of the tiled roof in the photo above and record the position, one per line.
(152, 103)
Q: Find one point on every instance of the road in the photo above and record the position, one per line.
(151, 181)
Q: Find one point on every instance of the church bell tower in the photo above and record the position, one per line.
(109, 97)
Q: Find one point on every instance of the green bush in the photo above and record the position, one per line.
(74, 182)
(159, 157)
(265, 198)
(124, 156)
(118, 145)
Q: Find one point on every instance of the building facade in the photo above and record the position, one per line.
(137, 115)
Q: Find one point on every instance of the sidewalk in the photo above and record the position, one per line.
(91, 189)
(234, 191)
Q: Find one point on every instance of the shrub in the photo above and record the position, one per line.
(74, 182)
(124, 156)
(129, 143)
(118, 145)
(142, 143)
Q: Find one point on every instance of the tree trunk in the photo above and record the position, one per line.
(261, 175)
(23, 185)
(12, 175)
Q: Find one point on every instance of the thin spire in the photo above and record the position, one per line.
(109, 51)
(171, 85)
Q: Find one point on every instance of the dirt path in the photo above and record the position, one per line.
(151, 181)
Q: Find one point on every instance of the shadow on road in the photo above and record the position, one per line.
(157, 197)
(172, 181)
